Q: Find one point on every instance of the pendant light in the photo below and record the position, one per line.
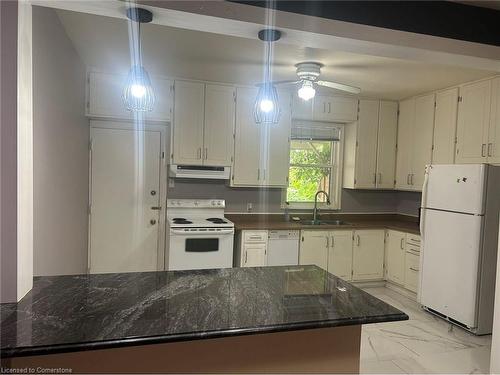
(138, 94)
(267, 109)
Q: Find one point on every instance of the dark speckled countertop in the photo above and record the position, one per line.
(83, 312)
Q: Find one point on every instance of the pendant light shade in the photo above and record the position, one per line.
(267, 107)
(138, 94)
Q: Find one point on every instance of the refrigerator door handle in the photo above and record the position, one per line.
(424, 200)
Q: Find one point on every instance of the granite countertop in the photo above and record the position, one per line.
(361, 221)
(84, 312)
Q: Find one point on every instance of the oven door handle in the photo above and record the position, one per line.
(202, 233)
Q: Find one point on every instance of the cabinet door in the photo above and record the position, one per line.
(405, 143)
(189, 101)
(218, 145)
(445, 127)
(302, 109)
(366, 144)
(473, 122)
(335, 109)
(422, 139)
(395, 256)
(340, 254)
(246, 165)
(276, 158)
(254, 255)
(386, 144)
(320, 108)
(368, 255)
(412, 265)
(494, 131)
(314, 248)
(105, 97)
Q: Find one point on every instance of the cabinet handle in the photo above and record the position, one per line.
(246, 257)
(411, 178)
(329, 107)
(358, 240)
(199, 153)
(258, 174)
(490, 146)
(414, 269)
(333, 241)
(264, 174)
(402, 244)
(379, 178)
(206, 153)
(327, 241)
(408, 179)
(483, 148)
(374, 179)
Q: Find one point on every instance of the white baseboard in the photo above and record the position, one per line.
(401, 290)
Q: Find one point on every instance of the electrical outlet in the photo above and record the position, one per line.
(249, 207)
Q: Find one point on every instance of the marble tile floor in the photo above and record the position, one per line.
(424, 344)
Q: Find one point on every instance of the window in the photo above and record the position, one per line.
(314, 166)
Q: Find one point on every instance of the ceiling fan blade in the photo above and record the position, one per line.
(339, 86)
(286, 82)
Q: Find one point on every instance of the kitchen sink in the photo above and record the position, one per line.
(324, 222)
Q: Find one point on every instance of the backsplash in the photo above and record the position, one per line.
(269, 200)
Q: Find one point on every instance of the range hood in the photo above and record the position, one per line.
(200, 171)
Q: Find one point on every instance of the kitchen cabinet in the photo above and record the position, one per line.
(414, 147)
(473, 122)
(445, 127)
(412, 270)
(203, 125)
(340, 254)
(251, 248)
(261, 151)
(104, 98)
(493, 148)
(330, 250)
(326, 108)
(370, 146)
(368, 255)
(395, 252)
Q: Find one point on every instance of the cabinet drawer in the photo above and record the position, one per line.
(255, 236)
(413, 239)
(412, 271)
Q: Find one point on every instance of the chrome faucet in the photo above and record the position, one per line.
(315, 210)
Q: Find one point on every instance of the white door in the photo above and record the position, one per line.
(189, 101)
(449, 272)
(445, 127)
(366, 144)
(277, 156)
(125, 183)
(386, 144)
(247, 167)
(422, 139)
(340, 254)
(395, 256)
(314, 248)
(473, 122)
(254, 255)
(494, 131)
(368, 255)
(456, 187)
(405, 143)
(218, 145)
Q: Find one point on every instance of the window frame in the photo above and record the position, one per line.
(335, 192)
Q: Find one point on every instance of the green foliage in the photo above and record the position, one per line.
(306, 178)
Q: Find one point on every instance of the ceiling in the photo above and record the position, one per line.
(102, 43)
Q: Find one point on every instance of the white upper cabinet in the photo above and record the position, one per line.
(493, 149)
(326, 108)
(386, 144)
(219, 125)
(370, 146)
(104, 98)
(414, 149)
(445, 126)
(261, 151)
(187, 132)
(473, 122)
(203, 126)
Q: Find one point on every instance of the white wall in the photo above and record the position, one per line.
(495, 341)
(61, 139)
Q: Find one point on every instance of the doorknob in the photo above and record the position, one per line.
(152, 221)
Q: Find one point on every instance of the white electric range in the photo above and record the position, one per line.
(199, 235)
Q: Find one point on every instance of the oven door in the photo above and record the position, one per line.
(200, 249)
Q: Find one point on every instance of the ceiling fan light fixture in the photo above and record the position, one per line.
(306, 91)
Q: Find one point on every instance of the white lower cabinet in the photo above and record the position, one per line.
(368, 255)
(395, 256)
(340, 254)
(314, 248)
(251, 249)
(412, 270)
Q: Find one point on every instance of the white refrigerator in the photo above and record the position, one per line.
(459, 228)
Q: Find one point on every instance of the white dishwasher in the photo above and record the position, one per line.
(283, 248)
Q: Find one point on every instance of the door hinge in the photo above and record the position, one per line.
(432, 148)
(162, 155)
(435, 104)
(302, 238)
(460, 99)
(398, 112)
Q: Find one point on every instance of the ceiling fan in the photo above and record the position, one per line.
(308, 73)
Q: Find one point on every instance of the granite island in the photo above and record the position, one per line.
(264, 319)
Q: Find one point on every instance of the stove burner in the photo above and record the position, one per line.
(181, 220)
(217, 220)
